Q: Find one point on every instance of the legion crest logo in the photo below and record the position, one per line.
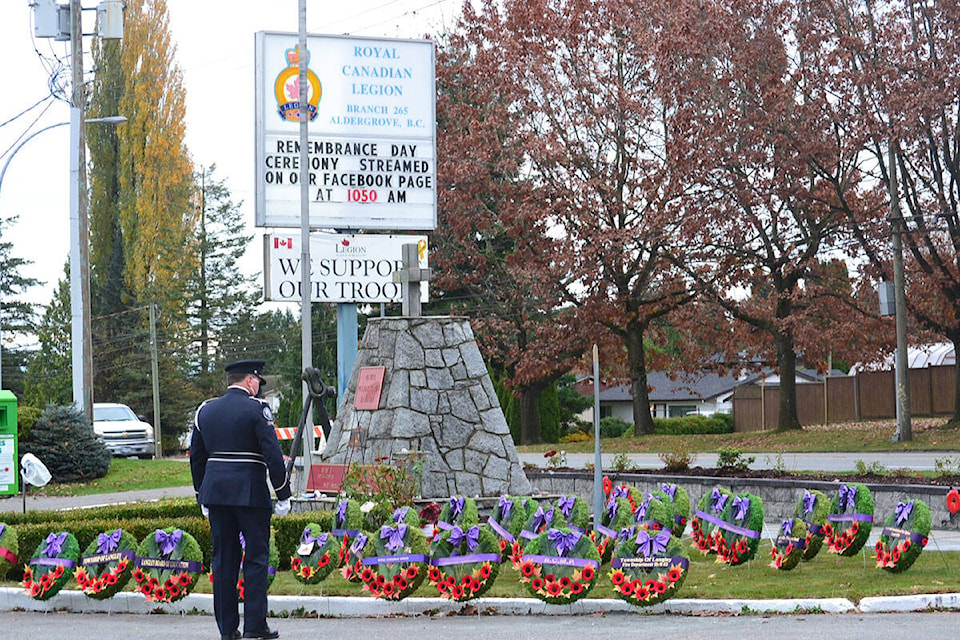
(287, 88)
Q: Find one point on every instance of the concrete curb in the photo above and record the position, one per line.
(13, 599)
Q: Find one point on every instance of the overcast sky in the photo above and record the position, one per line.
(215, 41)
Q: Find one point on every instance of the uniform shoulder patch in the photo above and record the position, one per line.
(267, 414)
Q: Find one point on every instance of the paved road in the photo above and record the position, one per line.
(850, 626)
(916, 460)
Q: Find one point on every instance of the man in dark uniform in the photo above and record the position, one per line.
(233, 451)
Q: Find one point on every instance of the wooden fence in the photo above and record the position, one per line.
(866, 396)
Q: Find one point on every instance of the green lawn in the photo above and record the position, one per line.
(126, 474)
(929, 434)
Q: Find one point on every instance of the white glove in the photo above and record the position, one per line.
(282, 508)
(205, 511)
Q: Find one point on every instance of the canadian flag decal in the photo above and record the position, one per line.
(286, 243)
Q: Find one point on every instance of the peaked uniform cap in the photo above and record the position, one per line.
(253, 367)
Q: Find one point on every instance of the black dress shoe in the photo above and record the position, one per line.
(232, 636)
(266, 634)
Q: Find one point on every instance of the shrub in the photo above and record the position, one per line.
(64, 441)
(732, 459)
(26, 418)
(694, 425)
(548, 412)
(613, 427)
(677, 459)
(576, 436)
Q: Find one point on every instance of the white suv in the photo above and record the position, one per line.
(119, 428)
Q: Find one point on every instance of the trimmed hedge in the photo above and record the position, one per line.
(694, 425)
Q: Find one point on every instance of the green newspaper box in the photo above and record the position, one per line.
(9, 478)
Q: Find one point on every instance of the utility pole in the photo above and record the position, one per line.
(155, 382)
(904, 430)
(306, 329)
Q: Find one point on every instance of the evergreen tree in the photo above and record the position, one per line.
(548, 408)
(16, 315)
(49, 375)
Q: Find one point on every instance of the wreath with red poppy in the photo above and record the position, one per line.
(681, 507)
(51, 566)
(168, 564)
(615, 516)
(560, 566)
(648, 566)
(904, 535)
(464, 563)
(273, 559)
(394, 561)
(347, 523)
(106, 565)
(316, 555)
(788, 546)
(850, 519)
(505, 522)
(740, 533)
(704, 524)
(953, 502)
(9, 548)
(813, 507)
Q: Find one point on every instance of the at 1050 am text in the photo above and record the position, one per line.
(361, 195)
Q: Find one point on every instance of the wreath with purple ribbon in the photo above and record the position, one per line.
(571, 512)
(51, 566)
(347, 523)
(316, 555)
(648, 566)
(707, 516)
(106, 565)
(168, 564)
(506, 522)
(850, 519)
(9, 548)
(273, 560)
(458, 510)
(681, 507)
(904, 536)
(741, 529)
(789, 545)
(615, 516)
(394, 561)
(464, 563)
(813, 509)
(560, 566)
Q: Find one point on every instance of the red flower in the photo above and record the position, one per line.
(401, 583)
(587, 574)
(575, 587)
(626, 588)
(564, 581)
(906, 545)
(537, 584)
(158, 594)
(412, 572)
(110, 579)
(433, 574)
(366, 575)
(324, 560)
(295, 563)
(607, 485)
(388, 589)
(485, 571)
(466, 580)
(456, 592)
(641, 593)
(526, 569)
(674, 574)
(660, 587)
(146, 590)
(550, 454)
(617, 578)
(57, 572)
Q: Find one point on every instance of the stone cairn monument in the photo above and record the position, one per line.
(434, 399)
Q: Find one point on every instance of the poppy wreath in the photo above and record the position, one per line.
(464, 563)
(106, 565)
(538, 521)
(347, 523)
(703, 525)
(850, 519)
(506, 522)
(655, 511)
(741, 530)
(51, 566)
(616, 515)
(788, 546)
(571, 512)
(681, 507)
(560, 566)
(904, 535)
(273, 561)
(353, 557)
(813, 509)
(9, 548)
(168, 564)
(648, 567)
(394, 561)
(632, 494)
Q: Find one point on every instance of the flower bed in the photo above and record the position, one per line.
(681, 507)
(168, 564)
(788, 547)
(464, 563)
(904, 536)
(394, 561)
(648, 568)
(560, 566)
(107, 564)
(51, 566)
(9, 548)
(850, 519)
(813, 509)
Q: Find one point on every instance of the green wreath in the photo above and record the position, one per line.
(538, 521)
(168, 564)
(347, 523)
(904, 536)
(850, 519)
(571, 512)
(655, 511)
(51, 566)
(459, 510)
(813, 508)
(681, 507)
(648, 567)
(352, 566)
(9, 548)
(704, 523)
(560, 566)
(394, 561)
(506, 522)
(740, 535)
(616, 516)
(789, 545)
(107, 564)
(464, 563)
(315, 555)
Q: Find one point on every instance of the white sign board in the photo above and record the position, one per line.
(372, 132)
(345, 268)
(8, 464)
